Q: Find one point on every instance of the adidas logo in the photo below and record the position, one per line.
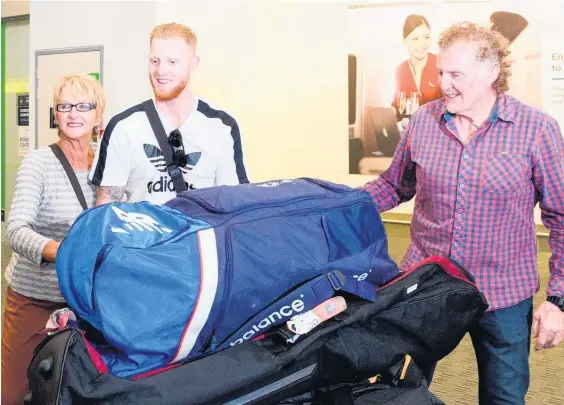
(155, 156)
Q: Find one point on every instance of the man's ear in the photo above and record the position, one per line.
(494, 71)
(194, 64)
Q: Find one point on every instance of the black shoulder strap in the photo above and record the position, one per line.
(70, 174)
(160, 134)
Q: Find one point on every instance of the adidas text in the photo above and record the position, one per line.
(164, 184)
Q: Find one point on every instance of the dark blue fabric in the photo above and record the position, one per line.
(298, 301)
(133, 270)
(502, 339)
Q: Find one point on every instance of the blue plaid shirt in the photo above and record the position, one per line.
(474, 202)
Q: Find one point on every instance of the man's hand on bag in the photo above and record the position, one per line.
(548, 326)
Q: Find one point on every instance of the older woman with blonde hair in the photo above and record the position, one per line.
(51, 190)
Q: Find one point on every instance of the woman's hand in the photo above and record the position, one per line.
(50, 251)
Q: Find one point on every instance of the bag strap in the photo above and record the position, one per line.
(70, 174)
(173, 170)
(311, 294)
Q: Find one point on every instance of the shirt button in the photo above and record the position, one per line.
(461, 185)
(459, 215)
(455, 244)
(465, 156)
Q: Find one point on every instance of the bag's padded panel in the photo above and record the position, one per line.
(46, 367)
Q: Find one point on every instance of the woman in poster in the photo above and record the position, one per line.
(416, 78)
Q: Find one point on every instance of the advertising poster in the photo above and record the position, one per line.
(553, 74)
(392, 66)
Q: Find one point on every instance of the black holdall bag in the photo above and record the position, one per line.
(424, 313)
(401, 384)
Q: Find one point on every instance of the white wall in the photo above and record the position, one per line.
(279, 66)
(280, 69)
(121, 27)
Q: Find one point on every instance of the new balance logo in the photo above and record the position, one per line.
(137, 222)
(287, 311)
(363, 276)
(164, 184)
(155, 156)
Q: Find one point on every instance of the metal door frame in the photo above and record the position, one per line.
(56, 51)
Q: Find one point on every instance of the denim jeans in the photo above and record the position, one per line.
(502, 339)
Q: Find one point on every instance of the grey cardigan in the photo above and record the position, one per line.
(43, 208)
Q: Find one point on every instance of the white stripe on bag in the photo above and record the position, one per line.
(206, 294)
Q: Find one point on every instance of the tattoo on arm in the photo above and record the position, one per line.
(109, 194)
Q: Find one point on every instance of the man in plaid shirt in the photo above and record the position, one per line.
(477, 162)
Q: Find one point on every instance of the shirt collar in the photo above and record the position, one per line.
(505, 109)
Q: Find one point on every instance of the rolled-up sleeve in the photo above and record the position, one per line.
(28, 194)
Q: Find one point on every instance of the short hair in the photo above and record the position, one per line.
(491, 46)
(173, 29)
(413, 21)
(82, 86)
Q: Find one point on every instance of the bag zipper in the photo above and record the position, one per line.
(215, 210)
(70, 341)
(327, 186)
(204, 204)
(212, 341)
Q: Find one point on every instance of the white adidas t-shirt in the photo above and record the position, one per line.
(129, 156)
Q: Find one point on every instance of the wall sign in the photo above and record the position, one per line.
(24, 138)
(23, 123)
(23, 109)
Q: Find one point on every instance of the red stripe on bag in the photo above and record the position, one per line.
(447, 265)
(96, 358)
(452, 269)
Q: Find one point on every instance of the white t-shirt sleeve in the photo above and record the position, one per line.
(112, 162)
(226, 173)
(231, 168)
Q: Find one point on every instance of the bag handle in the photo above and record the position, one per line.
(70, 174)
(173, 170)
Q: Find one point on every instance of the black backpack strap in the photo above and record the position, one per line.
(70, 174)
(173, 170)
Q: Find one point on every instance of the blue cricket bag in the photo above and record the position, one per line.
(216, 267)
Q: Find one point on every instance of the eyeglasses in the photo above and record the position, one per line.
(178, 154)
(81, 107)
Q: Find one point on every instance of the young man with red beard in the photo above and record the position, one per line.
(206, 140)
